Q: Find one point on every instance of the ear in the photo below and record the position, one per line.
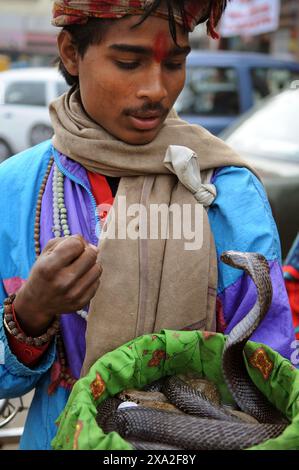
(68, 53)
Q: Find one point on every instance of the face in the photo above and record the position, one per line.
(131, 79)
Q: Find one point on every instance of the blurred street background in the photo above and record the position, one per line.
(257, 58)
(27, 38)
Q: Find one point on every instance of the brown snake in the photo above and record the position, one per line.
(207, 426)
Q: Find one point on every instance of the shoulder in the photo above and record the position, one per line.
(25, 168)
(20, 180)
(244, 181)
(241, 218)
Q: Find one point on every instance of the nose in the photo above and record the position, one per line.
(153, 85)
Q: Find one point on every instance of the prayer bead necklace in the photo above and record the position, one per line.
(60, 221)
(59, 210)
(38, 209)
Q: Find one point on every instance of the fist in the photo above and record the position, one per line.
(64, 278)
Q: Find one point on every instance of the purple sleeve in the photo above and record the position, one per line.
(276, 329)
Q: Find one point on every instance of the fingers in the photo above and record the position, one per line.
(91, 277)
(66, 275)
(51, 245)
(65, 251)
(85, 289)
(90, 293)
(83, 264)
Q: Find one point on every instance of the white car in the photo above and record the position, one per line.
(24, 98)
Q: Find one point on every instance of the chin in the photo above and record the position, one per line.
(141, 139)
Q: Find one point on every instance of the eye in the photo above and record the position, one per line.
(127, 65)
(174, 65)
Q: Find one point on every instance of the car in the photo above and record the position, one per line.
(268, 138)
(222, 85)
(24, 98)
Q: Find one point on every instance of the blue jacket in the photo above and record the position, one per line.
(240, 219)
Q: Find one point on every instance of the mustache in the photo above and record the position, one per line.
(147, 107)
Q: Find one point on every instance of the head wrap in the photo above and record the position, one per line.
(66, 12)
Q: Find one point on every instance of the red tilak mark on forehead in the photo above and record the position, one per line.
(160, 47)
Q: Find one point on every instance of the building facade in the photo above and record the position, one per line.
(25, 31)
(284, 42)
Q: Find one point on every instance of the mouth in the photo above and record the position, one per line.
(146, 121)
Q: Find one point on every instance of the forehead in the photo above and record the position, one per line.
(150, 32)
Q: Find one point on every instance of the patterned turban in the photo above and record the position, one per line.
(66, 12)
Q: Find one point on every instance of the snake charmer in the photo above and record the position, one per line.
(86, 264)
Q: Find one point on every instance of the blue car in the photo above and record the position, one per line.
(221, 85)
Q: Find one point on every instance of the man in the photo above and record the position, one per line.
(116, 139)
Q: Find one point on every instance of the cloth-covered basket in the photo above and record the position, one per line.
(151, 357)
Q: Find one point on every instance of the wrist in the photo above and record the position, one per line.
(12, 326)
(31, 320)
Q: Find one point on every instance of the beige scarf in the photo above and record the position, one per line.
(148, 283)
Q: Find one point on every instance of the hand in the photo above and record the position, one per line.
(64, 279)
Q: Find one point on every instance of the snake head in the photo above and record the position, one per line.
(256, 266)
(249, 262)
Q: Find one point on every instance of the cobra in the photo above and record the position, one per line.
(206, 426)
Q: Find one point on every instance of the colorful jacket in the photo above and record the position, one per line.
(240, 219)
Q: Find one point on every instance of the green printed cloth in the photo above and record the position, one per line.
(151, 357)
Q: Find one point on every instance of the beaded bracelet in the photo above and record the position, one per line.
(13, 328)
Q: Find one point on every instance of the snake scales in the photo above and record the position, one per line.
(206, 426)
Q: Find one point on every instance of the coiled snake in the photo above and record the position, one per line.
(206, 426)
